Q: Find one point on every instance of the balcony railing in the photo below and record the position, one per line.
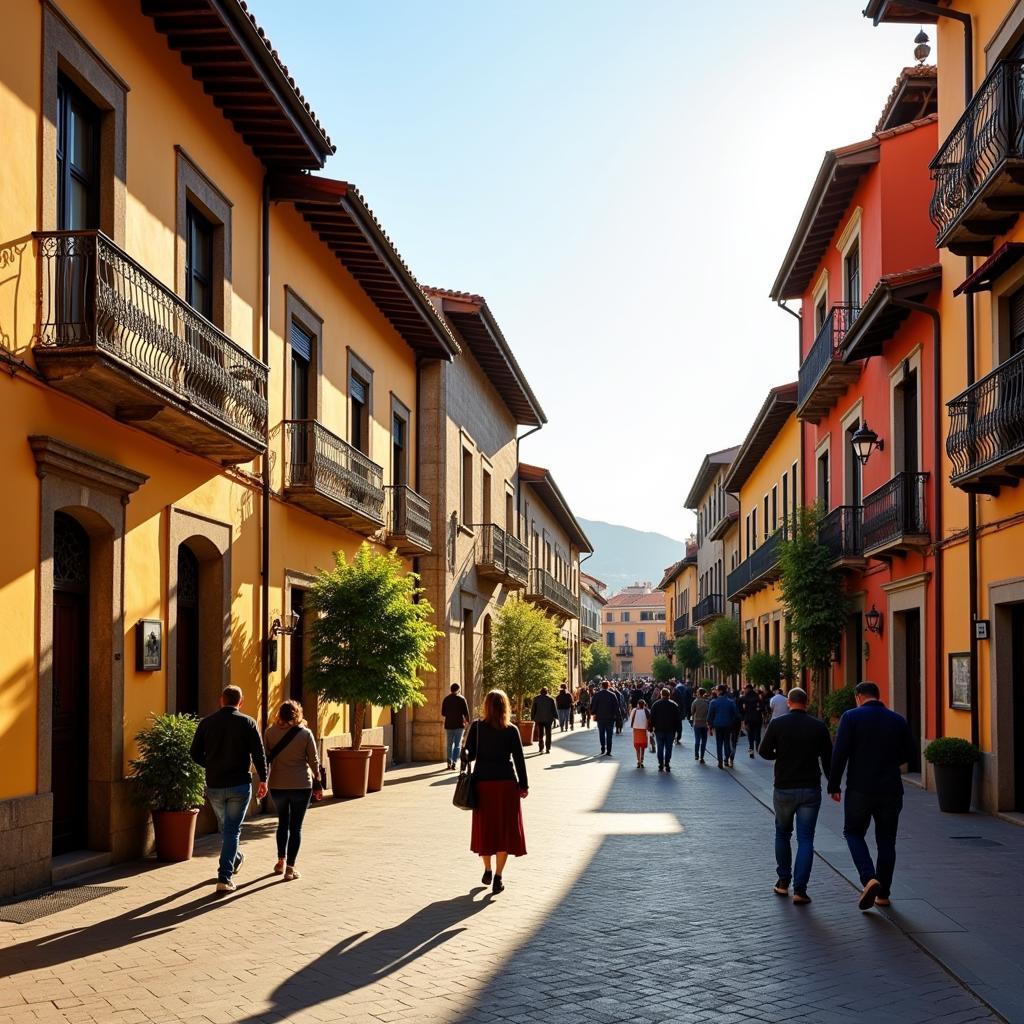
(757, 571)
(986, 429)
(408, 520)
(500, 557)
(545, 590)
(112, 335)
(840, 532)
(625, 651)
(664, 647)
(823, 374)
(681, 624)
(708, 608)
(977, 170)
(589, 634)
(326, 475)
(895, 515)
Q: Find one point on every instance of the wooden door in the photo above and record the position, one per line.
(187, 629)
(912, 639)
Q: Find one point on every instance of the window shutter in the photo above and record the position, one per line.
(357, 390)
(1016, 319)
(301, 341)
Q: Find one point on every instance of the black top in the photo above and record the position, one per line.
(683, 696)
(455, 711)
(604, 706)
(563, 700)
(225, 744)
(797, 742)
(543, 710)
(494, 751)
(665, 715)
(871, 744)
(750, 707)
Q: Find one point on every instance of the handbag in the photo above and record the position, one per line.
(464, 796)
(319, 785)
(653, 745)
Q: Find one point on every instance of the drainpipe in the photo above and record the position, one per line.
(265, 471)
(522, 437)
(928, 311)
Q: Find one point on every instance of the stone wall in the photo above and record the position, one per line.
(26, 842)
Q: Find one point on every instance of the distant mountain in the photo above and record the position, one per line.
(623, 556)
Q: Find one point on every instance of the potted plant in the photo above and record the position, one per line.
(953, 762)
(527, 653)
(370, 634)
(169, 783)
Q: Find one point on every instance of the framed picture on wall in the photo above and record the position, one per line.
(960, 681)
(149, 645)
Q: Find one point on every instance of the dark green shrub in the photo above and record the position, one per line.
(949, 750)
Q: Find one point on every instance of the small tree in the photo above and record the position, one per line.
(527, 653)
(763, 669)
(369, 635)
(663, 669)
(723, 646)
(689, 656)
(600, 660)
(164, 777)
(812, 594)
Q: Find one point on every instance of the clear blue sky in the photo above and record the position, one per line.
(619, 180)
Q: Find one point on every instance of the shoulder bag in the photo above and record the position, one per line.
(464, 796)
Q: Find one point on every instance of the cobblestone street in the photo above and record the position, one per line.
(645, 897)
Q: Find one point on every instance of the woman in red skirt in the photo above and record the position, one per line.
(495, 746)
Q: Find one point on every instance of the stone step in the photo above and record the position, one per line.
(67, 866)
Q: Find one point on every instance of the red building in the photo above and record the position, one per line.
(863, 266)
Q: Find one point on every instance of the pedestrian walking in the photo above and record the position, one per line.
(583, 704)
(563, 704)
(455, 712)
(604, 706)
(723, 717)
(666, 722)
(801, 748)
(752, 713)
(495, 749)
(872, 743)
(682, 694)
(640, 723)
(544, 713)
(620, 695)
(227, 744)
(699, 721)
(778, 705)
(294, 767)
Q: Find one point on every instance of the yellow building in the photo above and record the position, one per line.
(679, 586)
(976, 208)
(635, 629)
(764, 477)
(212, 366)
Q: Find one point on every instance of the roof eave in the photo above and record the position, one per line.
(540, 417)
(776, 409)
(560, 507)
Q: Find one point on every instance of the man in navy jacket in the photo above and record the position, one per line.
(723, 715)
(871, 744)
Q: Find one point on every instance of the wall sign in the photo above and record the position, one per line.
(960, 681)
(149, 645)
(981, 629)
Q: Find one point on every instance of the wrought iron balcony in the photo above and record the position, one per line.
(589, 634)
(664, 647)
(986, 430)
(326, 475)
(681, 624)
(757, 571)
(823, 374)
(709, 608)
(544, 590)
(501, 558)
(979, 169)
(895, 516)
(408, 520)
(113, 336)
(625, 651)
(840, 531)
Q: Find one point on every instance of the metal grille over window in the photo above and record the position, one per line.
(70, 554)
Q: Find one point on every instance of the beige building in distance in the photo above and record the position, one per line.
(635, 629)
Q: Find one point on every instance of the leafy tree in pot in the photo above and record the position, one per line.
(723, 646)
(527, 653)
(597, 660)
(689, 656)
(164, 777)
(370, 634)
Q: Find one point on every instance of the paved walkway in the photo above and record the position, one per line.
(645, 898)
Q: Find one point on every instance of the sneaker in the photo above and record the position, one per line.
(668, 768)
(781, 888)
(226, 885)
(488, 875)
(498, 885)
(800, 898)
(721, 764)
(869, 894)
(239, 861)
(883, 901)
(751, 753)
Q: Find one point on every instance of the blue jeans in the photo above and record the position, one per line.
(700, 740)
(723, 743)
(563, 719)
(802, 805)
(663, 743)
(229, 804)
(605, 731)
(860, 808)
(291, 805)
(453, 743)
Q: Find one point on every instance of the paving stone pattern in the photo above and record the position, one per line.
(644, 898)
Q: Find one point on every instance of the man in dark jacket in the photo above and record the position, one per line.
(752, 713)
(871, 744)
(666, 718)
(683, 696)
(227, 743)
(723, 717)
(563, 702)
(544, 713)
(801, 748)
(604, 706)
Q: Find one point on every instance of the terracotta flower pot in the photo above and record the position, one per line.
(526, 731)
(378, 765)
(350, 771)
(175, 833)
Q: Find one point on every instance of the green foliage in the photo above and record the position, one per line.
(763, 669)
(948, 750)
(812, 594)
(838, 702)
(369, 635)
(597, 660)
(663, 669)
(164, 777)
(689, 656)
(527, 652)
(723, 646)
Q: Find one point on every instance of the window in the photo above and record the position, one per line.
(608, 616)
(1016, 305)
(510, 514)
(906, 402)
(820, 313)
(359, 413)
(851, 274)
(775, 507)
(485, 496)
(78, 159)
(765, 527)
(399, 460)
(853, 488)
(467, 487)
(753, 529)
(198, 261)
(785, 505)
(823, 496)
(641, 638)
(793, 484)
(624, 617)
(748, 548)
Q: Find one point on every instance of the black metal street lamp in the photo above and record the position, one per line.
(873, 620)
(278, 628)
(864, 440)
